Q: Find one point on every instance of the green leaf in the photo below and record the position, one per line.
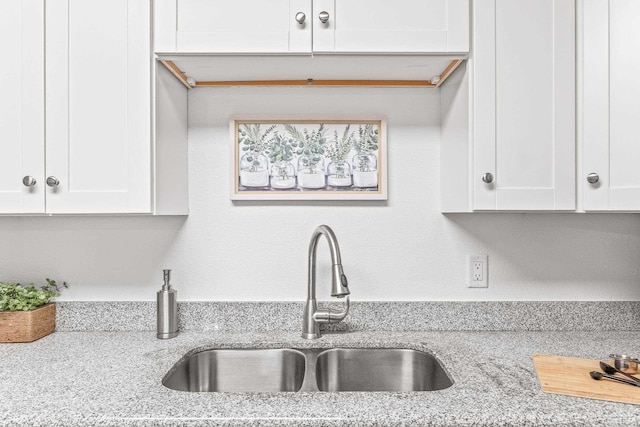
(14, 297)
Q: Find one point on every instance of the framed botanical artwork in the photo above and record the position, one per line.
(315, 158)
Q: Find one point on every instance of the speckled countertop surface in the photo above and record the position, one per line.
(114, 379)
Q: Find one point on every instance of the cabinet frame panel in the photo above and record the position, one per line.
(135, 195)
(485, 127)
(25, 116)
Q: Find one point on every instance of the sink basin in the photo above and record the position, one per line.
(235, 370)
(307, 370)
(379, 369)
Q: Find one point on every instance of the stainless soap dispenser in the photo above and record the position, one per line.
(167, 309)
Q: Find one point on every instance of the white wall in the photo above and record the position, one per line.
(402, 249)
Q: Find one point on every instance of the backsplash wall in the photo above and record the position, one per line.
(401, 249)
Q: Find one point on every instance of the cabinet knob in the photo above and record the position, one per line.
(300, 17)
(593, 178)
(29, 181)
(52, 181)
(323, 16)
(487, 178)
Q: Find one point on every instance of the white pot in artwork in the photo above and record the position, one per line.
(311, 180)
(334, 181)
(254, 179)
(365, 170)
(339, 174)
(254, 170)
(365, 179)
(283, 175)
(311, 171)
(283, 183)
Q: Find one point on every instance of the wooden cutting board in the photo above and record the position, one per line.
(570, 376)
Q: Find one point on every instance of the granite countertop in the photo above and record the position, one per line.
(114, 378)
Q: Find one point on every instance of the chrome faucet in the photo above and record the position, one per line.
(313, 317)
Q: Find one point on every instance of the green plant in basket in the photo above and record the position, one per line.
(15, 297)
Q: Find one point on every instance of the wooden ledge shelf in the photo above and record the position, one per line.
(438, 67)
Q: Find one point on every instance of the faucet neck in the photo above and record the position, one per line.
(312, 316)
(339, 284)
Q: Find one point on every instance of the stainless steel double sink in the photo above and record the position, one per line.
(307, 370)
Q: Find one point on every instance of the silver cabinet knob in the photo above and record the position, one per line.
(593, 178)
(323, 16)
(29, 181)
(487, 178)
(300, 17)
(52, 181)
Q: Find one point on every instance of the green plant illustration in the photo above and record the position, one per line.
(254, 142)
(281, 172)
(339, 149)
(15, 297)
(281, 148)
(308, 143)
(308, 164)
(365, 143)
(367, 140)
(253, 138)
(310, 147)
(281, 152)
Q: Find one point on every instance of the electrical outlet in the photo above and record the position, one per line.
(477, 271)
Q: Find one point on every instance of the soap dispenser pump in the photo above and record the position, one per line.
(167, 309)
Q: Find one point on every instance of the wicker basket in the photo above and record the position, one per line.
(27, 326)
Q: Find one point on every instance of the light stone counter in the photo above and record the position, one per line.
(114, 379)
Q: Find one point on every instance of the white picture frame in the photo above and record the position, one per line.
(308, 158)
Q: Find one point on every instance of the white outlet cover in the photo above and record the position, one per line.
(477, 271)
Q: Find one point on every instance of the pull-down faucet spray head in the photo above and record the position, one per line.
(339, 283)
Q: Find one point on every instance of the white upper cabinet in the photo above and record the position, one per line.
(523, 125)
(98, 105)
(518, 153)
(304, 26)
(22, 106)
(225, 26)
(391, 26)
(610, 172)
(76, 128)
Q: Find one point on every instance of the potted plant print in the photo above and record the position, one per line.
(26, 313)
(254, 166)
(365, 162)
(339, 170)
(283, 173)
(310, 149)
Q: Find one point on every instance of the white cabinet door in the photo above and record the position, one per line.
(258, 26)
(611, 105)
(237, 26)
(98, 108)
(411, 26)
(22, 106)
(523, 121)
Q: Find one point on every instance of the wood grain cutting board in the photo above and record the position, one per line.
(570, 376)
